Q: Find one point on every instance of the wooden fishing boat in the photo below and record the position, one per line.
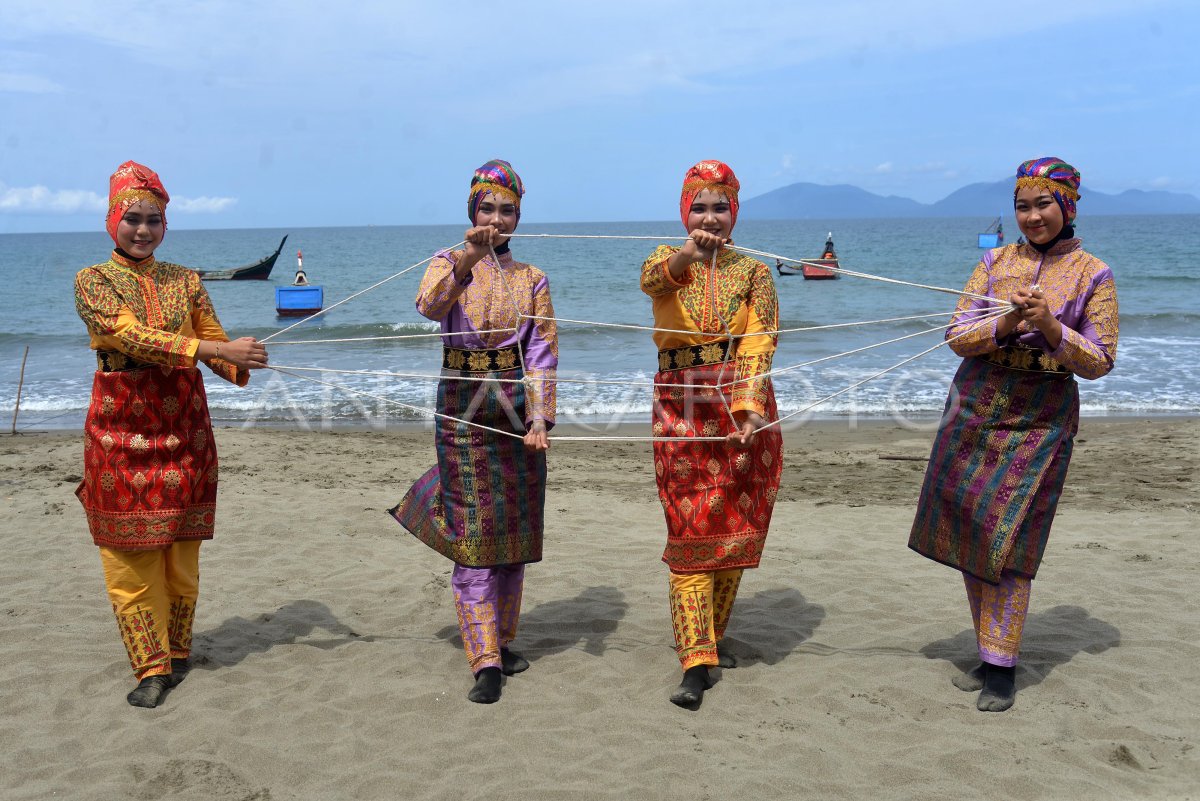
(258, 271)
(813, 269)
(993, 237)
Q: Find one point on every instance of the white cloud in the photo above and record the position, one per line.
(30, 84)
(34, 199)
(202, 205)
(43, 200)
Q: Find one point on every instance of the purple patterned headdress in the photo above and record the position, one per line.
(499, 178)
(1053, 174)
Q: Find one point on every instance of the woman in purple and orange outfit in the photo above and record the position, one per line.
(717, 496)
(482, 504)
(150, 462)
(1000, 457)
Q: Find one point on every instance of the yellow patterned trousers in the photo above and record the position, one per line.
(999, 611)
(153, 595)
(700, 608)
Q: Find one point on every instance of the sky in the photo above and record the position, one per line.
(281, 114)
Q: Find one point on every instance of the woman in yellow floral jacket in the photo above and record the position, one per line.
(150, 462)
(719, 318)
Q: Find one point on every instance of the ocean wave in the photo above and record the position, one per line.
(1160, 318)
(58, 337)
(352, 330)
(296, 410)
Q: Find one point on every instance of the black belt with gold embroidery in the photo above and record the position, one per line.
(113, 361)
(1027, 360)
(693, 356)
(465, 360)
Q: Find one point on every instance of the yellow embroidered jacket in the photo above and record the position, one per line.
(741, 292)
(151, 311)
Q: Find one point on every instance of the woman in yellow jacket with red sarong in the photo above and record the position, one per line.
(718, 319)
(150, 462)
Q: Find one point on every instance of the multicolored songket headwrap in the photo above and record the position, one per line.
(1055, 175)
(129, 184)
(499, 178)
(713, 175)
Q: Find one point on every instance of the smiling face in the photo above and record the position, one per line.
(711, 212)
(140, 230)
(498, 212)
(1039, 216)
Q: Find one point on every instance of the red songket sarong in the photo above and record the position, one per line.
(150, 460)
(717, 498)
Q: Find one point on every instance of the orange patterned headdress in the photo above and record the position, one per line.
(713, 175)
(129, 184)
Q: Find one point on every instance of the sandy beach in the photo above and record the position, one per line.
(328, 666)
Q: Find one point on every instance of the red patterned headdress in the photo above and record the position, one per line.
(129, 184)
(713, 175)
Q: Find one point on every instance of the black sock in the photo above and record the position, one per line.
(691, 690)
(511, 662)
(149, 692)
(999, 689)
(487, 687)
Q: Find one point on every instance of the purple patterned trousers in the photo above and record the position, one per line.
(999, 612)
(488, 600)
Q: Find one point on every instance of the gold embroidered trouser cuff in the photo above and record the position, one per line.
(488, 602)
(153, 595)
(700, 607)
(999, 613)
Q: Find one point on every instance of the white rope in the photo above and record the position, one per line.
(729, 343)
(764, 254)
(781, 370)
(468, 377)
(394, 402)
(599, 236)
(389, 374)
(583, 438)
(998, 304)
(314, 315)
(749, 251)
(856, 274)
(433, 413)
(981, 322)
(385, 337)
(628, 438)
(516, 314)
(997, 309)
(661, 385)
(801, 329)
(627, 383)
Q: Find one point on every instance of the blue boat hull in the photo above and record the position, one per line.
(298, 301)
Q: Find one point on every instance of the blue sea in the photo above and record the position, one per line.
(1154, 259)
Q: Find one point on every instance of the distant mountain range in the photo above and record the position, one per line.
(815, 201)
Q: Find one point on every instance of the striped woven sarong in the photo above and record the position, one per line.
(482, 505)
(997, 469)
